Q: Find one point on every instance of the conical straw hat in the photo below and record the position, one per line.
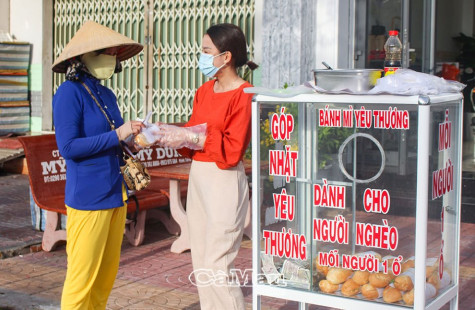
(91, 37)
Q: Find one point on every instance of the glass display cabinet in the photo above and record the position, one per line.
(356, 200)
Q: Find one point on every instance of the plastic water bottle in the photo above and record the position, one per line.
(393, 50)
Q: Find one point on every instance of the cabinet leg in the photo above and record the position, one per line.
(248, 221)
(303, 306)
(256, 302)
(454, 302)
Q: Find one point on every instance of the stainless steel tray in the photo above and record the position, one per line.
(356, 80)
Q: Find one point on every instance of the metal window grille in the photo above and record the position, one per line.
(126, 17)
(164, 78)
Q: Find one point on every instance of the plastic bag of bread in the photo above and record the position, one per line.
(370, 292)
(430, 292)
(437, 282)
(147, 137)
(433, 279)
(172, 136)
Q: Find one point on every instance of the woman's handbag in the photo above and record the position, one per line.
(135, 173)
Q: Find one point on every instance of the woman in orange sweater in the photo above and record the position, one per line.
(218, 191)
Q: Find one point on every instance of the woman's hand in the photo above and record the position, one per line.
(129, 128)
(172, 136)
(176, 137)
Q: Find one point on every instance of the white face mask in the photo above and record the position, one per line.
(101, 66)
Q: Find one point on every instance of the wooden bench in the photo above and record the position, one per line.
(47, 176)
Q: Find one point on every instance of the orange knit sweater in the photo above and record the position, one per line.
(228, 119)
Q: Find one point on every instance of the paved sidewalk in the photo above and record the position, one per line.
(16, 231)
(150, 276)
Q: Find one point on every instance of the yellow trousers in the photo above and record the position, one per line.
(94, 240)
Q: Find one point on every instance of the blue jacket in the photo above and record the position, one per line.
(89, 146)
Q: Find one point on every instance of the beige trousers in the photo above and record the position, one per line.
(216, 205)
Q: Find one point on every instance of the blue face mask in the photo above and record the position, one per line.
(206, 64)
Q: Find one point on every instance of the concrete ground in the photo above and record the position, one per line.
(150, 276)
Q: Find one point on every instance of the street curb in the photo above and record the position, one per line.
(11, 300)
(20, 249)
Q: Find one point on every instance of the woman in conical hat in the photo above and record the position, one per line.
(89, 130)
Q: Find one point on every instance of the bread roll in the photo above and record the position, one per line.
(380, 279)
(361, 277)
(405, 281)
(142, 141)
(327, 287)
(408, 298)
(338, 275)
(391, 294)
(350, 288)
(432, 264)
(371, 292)
(321, 269)
(409, 263)
(430, 270)
(434, 280)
